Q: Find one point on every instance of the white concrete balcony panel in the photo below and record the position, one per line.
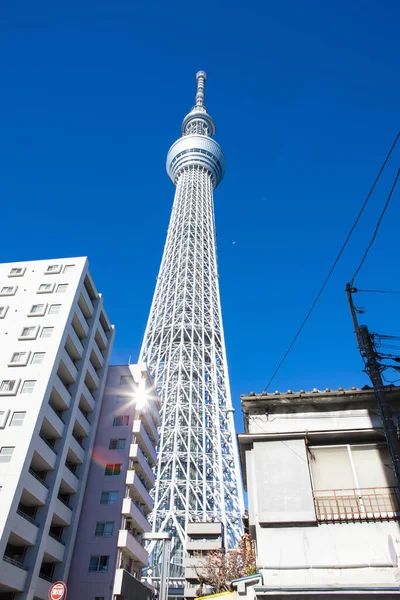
(12, 577)
(54, 427)
(77, 449)
(46, 453)
(98, 355)
(147, 420)
(201, 545)
(190, 592)
(138, 491)
(77, 344)
(35, 487)
(24, 528)
(132, 512)
(88, 304)
(127, 585)
(80, 323)
(71, 480)
(144, 442)
(142, 465)
(63, 512)
(102, 336)
(69, 365)
(88, 397)
(93, 375)
(132, 547)
(83, 422)
(60, 396)
(42, 587)
(54, 548)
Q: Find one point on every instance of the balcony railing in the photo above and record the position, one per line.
(14, 562)
(64, 502)
(357, 504)
(27, 517)
(55, 537)
(49, 444)
(46, 577)
(39, 478)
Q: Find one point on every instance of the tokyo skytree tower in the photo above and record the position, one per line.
(198, 477)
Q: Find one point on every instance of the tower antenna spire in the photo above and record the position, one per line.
(201, 77)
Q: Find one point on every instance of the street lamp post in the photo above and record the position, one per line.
(165, 537)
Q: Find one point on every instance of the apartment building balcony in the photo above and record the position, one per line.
(191, 591)
(42, 587)
(200, 544)
(73, 345)
(25, 528)
(129, 544)
(36, 487)
(134, 514)
(69, 481)
(85, 303)
(128, 586)
(366, 504)
(79, 324)
(94, 380)
(47, 454)
(53, 425)
(147, 420)
(60, 398)
(87, 399)
(138, 491)
(82, 425)
(76, 453)
(67, 370)
(101, 337)
(144, 442)
(62, 513)
(54, 549)
(13, 575)
(141, 465)
(96, 356)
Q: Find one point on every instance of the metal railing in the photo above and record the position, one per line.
(357, 504)
(55, 537)
(48, 443)
(39, 479)
(14, 562)
(64, 502)
(27, 517)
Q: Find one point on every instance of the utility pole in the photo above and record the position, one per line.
(373, 369)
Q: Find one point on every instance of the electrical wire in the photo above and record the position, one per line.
(376, 228)
(376, 291)
(333, 266)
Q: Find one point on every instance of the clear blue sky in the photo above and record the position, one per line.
(305, 96)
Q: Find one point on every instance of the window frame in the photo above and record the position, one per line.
(104, 523)
(108, 498)
(6, 454)
(13, 289)
(52, 306)
(33, 357)
(17, 412)
(63, 291)
(46, 291)
(39, 313)
(51, 329)
(99, 558)
(34, 381)
(68, 268)
(21, 363)
(112, 469)
(117, 446)
(21, 272)
(14, 390)
(4, 311)
(55, 271)
(123, 418)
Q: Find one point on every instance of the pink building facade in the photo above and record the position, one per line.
(109, 554)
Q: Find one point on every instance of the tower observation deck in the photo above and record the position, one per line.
(198, 477)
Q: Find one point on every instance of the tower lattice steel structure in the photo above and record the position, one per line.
(198, 477)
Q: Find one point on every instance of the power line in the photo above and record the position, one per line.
(376, 291)
(334, 264)
(376, 228)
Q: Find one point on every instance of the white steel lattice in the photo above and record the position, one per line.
(198, 477)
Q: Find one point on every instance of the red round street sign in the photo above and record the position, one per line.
(58, 591)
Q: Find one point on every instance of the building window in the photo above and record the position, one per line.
(29, 333)
(62, 288)
(47, 332)
(121, 420)
(113, 469)
(8, 290)
(99, 564)
(45, 288)
(53, 269)
(28, 387)
(104, 529)
(54, 309)
(117, 444)
(68, 268)
(125, 380)
(38, 358)
(9, 387)
(17, 272)
(109, 498)
(37, 310)
(6, 454)
(3, 418)
(19, 359)
(17, 419)
(3, 311)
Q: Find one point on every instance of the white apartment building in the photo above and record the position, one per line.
(324, 505)
(109, 552)
(55, 344)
